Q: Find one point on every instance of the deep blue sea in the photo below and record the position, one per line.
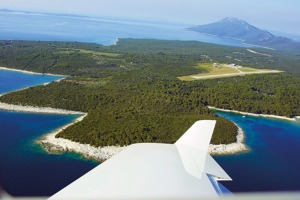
(273, 163)
(25, 168)
(45, 27)
(11, 80)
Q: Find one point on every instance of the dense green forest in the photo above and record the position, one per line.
(131, 92)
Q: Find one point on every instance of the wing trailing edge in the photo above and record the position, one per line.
(193, 150)
(182, 170)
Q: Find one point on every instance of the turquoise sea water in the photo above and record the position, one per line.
(25, 168)
(272, 164)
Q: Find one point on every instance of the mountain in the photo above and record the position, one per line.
(240, 29)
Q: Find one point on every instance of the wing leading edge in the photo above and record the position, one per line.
(180, 170)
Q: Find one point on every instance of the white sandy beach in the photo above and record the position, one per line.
(256, 115)
(233, 148)
(52, 144)
(116, 42)
(27, 72)
(32, 109)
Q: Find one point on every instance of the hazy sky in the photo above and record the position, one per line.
(281, 15)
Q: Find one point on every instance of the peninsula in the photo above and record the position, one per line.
(131, 94)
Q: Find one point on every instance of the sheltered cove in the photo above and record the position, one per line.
(59, 145)
(255, 115)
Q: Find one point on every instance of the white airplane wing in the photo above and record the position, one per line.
(162, 171)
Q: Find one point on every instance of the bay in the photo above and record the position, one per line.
(12, 80)
(25, 168)
(272, 164)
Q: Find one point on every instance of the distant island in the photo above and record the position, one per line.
(240, 29)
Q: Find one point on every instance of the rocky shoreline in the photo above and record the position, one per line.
(233, 148)
(27, 72)
(256, 115)
(32, 109)
(59, 145)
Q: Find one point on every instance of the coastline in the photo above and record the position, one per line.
(237, 39)
(116, 42)
(255, 115)
(28, 72)
(233, 148)
(60, 145)
(33, 109)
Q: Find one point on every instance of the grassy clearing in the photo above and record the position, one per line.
(94, 53)
(90, 82)
(215, 70)
(66, 52)
(249, 69)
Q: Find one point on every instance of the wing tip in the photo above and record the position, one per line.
(199, 132)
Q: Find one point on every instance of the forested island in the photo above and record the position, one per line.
(132, 94)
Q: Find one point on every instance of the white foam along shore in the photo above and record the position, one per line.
(27, 72)
(52, 144)
(33, 109)
(233, 148)
(253, 114)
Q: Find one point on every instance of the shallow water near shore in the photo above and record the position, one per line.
(272, 164)
(25, 168)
